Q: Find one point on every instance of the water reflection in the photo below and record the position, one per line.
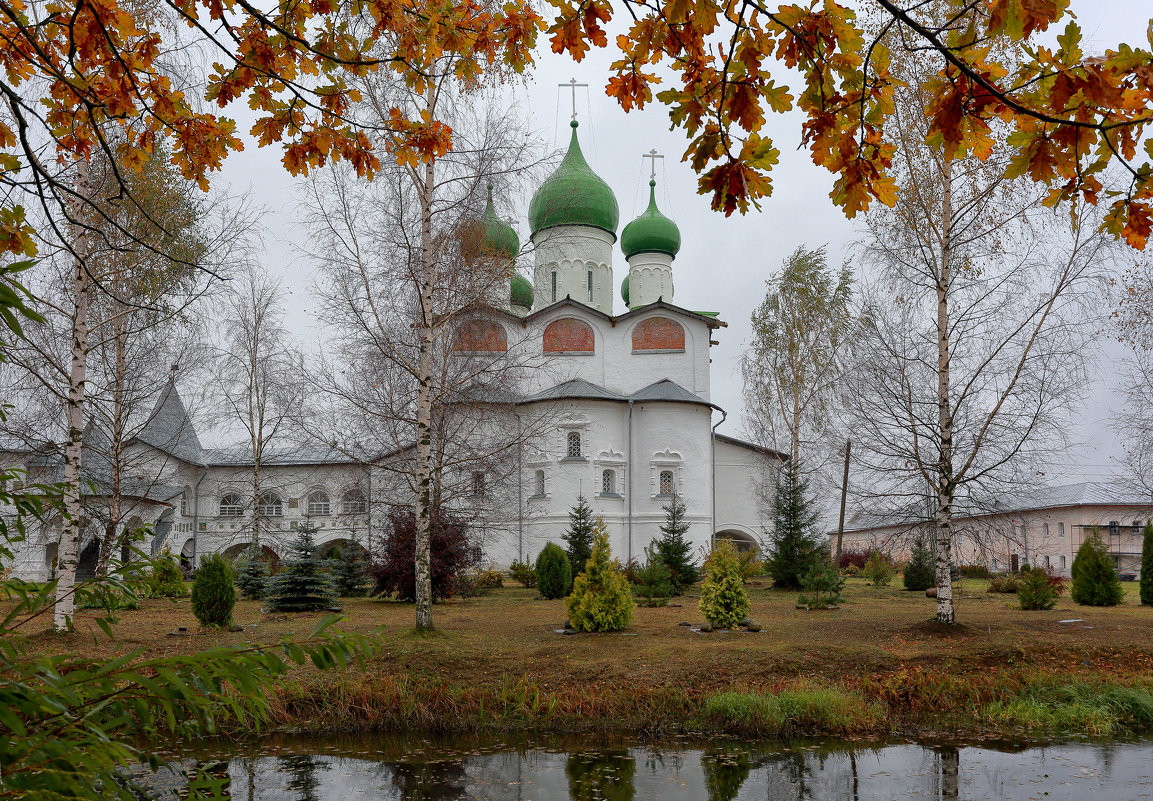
(382, 770)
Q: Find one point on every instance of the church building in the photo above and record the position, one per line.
(629, 420)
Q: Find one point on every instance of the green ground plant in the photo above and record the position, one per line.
(213, 593)
(553, 572)
(825, 583)
(524, 573)
(349, 567)
(795, 538)
(579, 537)
(1095, 579)
(724, 602)
(601, 599)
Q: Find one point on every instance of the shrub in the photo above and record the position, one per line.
(822, 578)
(795, 536)
(851, 570)
(601, 599)
(553, 572)
(1095, 581)
(878, 570)
(856, 559)
(1147, 563)
(301, 585)
(488, 579)
(213, 595)
(349, 571)
(1004, 582)
(974, 571)
(750, 565)
(674, 550)
(919, 573)
(524, 573)
(1035, 591)
(452, 555)
(252, 574)
(653, 580)
(579, 537)
(167, 579)
(724, 602)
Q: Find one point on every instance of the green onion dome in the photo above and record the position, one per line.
(497, 237)
(651, 232)
(521, 292)
(574, 195)
(625, 290)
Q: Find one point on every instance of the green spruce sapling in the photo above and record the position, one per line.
(302, 584)
(579, 537)
(795, 538)
(675, 550)
(654, 580)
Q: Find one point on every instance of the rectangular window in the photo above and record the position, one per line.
(1114, 528)
(665, 484)
(590, 281)
(478, 484)
(1060, 529)
(554, 286)
(1045, 530)
(574, 445)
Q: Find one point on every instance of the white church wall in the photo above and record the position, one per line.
(570, 251)
(744, 481)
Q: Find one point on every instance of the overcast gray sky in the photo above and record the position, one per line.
(723, 262)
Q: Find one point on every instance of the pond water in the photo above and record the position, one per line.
(378, 768)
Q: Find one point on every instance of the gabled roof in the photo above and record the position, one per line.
(241, 456)
(708, 319)
(576, 388)
(568, 301)
(170, 429)
(752, 446)
(667, 390)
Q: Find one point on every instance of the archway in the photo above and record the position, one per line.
(233, 553)
(328, 549)
(188, 554)
(86, 564)
(741, 540)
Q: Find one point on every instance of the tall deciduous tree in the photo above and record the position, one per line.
(791, 370)
(973, 329)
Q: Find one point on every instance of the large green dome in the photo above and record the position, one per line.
(625, 290)
(651, 232)
(520, 294)
(497, 237)
(574, 195)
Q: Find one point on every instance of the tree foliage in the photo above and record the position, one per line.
(303, 583)
(795, 539)
(553, 572)
(825, 583)
(349, 568)
(213, 593)
(653, 580)
(452, 553)
(252, 574)
(580, 535)
(601, 599)
(1070, 114)
(919, 573)
(166, 579)
(724, 602)
(1095, 579)
(673, 548)
(1035, 590)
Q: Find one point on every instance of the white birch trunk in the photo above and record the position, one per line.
(945, 478)
(422, 555)
(69, 550)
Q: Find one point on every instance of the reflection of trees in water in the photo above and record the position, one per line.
(429, 781)
(725, 772)
(947, 773)
(597, 776)
(789, 773)
(303, 783)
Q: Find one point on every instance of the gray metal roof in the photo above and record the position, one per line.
(241, 456)
(577, 388)
(667, 390)
(170, 429)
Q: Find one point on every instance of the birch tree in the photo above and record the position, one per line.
(974, 329)
(793, 365)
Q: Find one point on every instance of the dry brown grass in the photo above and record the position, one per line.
(498, 657)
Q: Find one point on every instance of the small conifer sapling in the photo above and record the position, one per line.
(674, 549)
(580, 535)
(213, 595)
(302, 585)
(601, 599)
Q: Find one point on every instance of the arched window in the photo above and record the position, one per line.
(353, 503)
(184, 504)
(231, 506)
(568, 335)
(666, 483)
(270, 505)
(540, 482)
(1062, 561)
(574, 445)
(609, 482)
(554, 286)
(590, 285)
(658, 335)
(480, 336)
(319, 504)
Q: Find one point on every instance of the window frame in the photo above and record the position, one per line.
(270, 504)
(230, 509)
(672, 484)
(327, 504)
(609, 477)
(351, 496)
(539, 484)
(570, 437)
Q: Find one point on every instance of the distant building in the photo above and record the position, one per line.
(1042, 527)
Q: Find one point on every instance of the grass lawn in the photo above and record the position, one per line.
(496, 661)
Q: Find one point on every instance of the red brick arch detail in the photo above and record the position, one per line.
(658, 333)
(480, 336)
(568, 335)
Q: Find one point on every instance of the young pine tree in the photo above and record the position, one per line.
(654, 579)
(1147, 564)
(1095, 580)
(252, 575)
(349, 572)
(580, 535)
(301, 585)
(795, 543)
(920, 573)
(674, 550)
(601, 599)
(724, 602)
(553, 572)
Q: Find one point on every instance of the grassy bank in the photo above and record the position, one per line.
(874, 667)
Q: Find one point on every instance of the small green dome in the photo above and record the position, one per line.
(497, 237)
(574, 195)
(625, 290)
(651, 232)
(521, 292)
